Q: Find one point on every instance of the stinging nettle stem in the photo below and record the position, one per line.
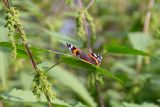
(90, 4)
(101, 100)
(7, 4)
(146, 28)
(19, 30)
(148, 16)
(86, 26)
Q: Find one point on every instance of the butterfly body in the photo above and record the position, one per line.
(91, 58)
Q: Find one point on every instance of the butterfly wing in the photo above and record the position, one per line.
(75, 51)
(96, 58)
(91, 58)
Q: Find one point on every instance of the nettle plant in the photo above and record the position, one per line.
(41, 87)
(40, 82)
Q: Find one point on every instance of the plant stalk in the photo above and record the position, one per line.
(8, 5)
(100, 99)
(145, 30)
(86, 26)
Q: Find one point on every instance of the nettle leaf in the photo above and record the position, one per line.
(81, 105)
(21, 47)
(140, 40)
(6, 46)
(64, 38)
(90, 67)
(22, 52)
(145, 104)
(3, 61)
(17, 95)
(119, 49)
(71, 81)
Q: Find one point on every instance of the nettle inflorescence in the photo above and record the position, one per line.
(12, 22)
(83, 16)
(90, 20)
(93, 78)
(82, 30)
(80, 27)
(40, 82)
(41, 85)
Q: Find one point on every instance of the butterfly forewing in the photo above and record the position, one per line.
(91, 58)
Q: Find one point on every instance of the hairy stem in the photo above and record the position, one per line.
(28, 51)
(8, 5)
(90, 4)
(86, 27)
(145, 30)
(100, 99)
(49, 100)
(80, 3)
(148, 16)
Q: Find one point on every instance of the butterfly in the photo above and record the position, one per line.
(91, 57)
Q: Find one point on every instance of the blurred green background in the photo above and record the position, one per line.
(118, 22)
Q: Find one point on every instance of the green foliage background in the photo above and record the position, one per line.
(49, 24)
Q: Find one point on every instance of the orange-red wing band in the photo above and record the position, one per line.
(94, 59)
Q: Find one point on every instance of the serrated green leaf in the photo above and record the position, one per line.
(17, 95)
(90, 67)
(139, 105)
(69, 80)
(21, 53)
(20, 49)
(63, 38)
(140, 40)
(118, 49)
(81, 105)
(3, 69)
(3, 61)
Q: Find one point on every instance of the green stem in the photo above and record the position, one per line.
(19, 30)
(54, 65)
(85, 27)
(90, 4)
(6, 3)
(49, 100)
(100, 99)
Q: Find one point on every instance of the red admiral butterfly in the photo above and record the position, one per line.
(91, 58)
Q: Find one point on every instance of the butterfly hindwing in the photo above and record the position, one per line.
(96, 58)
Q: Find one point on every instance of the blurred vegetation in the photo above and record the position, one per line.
(130, 54)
